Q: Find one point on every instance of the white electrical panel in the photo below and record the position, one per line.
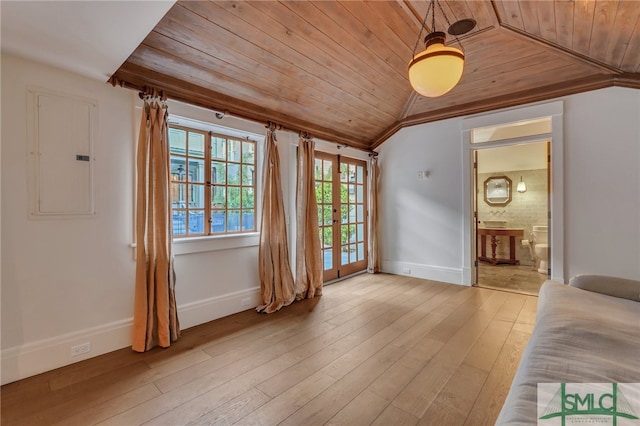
(62, 129)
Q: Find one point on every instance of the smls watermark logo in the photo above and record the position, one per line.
(616, 404)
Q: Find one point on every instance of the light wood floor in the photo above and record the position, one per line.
(374, 349)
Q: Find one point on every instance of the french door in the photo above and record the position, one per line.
(341, 193)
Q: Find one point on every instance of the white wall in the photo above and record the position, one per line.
(70, 281)
(602, 182)
(421, 224)
(421, 220)
(61, 277)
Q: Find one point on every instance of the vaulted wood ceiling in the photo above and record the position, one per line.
(338, 69)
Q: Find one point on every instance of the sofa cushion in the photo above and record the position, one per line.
(579, 337)
(612, 286)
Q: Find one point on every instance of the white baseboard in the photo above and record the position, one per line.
(467, 279)
(37, 357)
(33, 358)
(201, 311)
(429, 272)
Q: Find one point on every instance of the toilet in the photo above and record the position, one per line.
(541, 247)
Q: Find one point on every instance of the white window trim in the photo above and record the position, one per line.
(209, 243)
(186, 245)
(182, 246)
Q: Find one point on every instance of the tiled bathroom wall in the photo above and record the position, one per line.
(525, 209)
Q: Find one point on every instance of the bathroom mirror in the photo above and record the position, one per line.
(497, 190)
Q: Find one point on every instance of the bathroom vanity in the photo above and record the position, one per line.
(494, 233)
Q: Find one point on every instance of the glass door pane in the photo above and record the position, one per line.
(324, 176)
(341, 190)
(353, 207)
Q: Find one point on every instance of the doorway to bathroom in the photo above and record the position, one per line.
(512, 216)
(531, 124)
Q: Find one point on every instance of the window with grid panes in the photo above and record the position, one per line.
(213, 190)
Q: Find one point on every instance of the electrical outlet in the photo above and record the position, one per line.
(406, 270)
(81, 349)
(246, 302)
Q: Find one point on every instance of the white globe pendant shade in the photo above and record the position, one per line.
(437, 69)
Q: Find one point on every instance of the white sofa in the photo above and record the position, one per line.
(585, 332)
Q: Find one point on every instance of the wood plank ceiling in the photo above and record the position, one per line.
(338, 69)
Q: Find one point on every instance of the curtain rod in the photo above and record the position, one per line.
(152, 92)
(114, 81)
(273, 126)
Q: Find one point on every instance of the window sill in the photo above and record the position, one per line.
(182, 246)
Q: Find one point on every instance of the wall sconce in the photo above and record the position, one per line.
(522, 187)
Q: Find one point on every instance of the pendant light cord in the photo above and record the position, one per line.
(448, 24)
(432, 9)
(424, 22)
(433, 16)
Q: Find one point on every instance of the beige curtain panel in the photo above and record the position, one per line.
(374, 239)
(155, 318)
(276, 278)
(308, 254)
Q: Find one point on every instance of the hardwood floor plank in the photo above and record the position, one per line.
(528, 312)
(395, 379)
(237, 339)
(420, 329)
(454, 402)
(370, 326)
(209, 398)
(373, 349)
(87, 370)
(396, 417)
(325, 355)
(200, 410)
(250, 371)
(356, 356)
(319, 410)
(487, 407)
(440, 414)
(362, 410)
(422, 390)
(234, 410)
(288, 402)
(31, 387)
(228, 365)
(216, 388)
(460, 316)
(416, 397)
(366, 349)
(68, 401)
(512, 307)
(110, 408)
(484, 352)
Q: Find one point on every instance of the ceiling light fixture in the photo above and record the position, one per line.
(437, 69)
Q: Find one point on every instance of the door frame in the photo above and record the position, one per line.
(288, 145)
(340, 270)
(554, 110)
